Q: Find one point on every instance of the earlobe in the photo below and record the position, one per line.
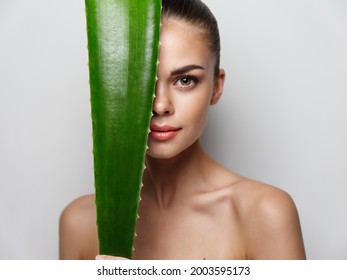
(215, 97)
(218, 87)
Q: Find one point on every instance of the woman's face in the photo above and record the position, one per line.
(185, 89)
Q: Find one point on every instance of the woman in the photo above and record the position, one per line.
(192, 207)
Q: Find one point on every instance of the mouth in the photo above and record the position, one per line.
(163, 133)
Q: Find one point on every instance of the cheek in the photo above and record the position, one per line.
(194, 111)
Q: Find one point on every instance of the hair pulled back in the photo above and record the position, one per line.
(196, 12)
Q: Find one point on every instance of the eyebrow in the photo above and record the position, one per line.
(185, 69)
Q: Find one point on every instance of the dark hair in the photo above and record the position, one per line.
(196, 12)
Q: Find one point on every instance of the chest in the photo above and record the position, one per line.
(187, 234)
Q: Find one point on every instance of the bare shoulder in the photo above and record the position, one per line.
(83, 205)
(256, 196)
(270, 221)
(77, 229)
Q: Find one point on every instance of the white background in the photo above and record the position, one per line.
(281, 120)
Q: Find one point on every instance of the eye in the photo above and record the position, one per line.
(186, 82)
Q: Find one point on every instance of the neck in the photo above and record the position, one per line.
(174, 179)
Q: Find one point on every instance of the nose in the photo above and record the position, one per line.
(162, 104)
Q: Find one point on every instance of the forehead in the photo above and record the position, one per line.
(184, 43)
(182, 30)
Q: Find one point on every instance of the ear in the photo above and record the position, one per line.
(218, 87)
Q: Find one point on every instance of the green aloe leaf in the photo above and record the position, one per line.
(123, 42)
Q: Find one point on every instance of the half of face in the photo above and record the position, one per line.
(185, 89)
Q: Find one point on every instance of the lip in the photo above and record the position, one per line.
(163, 132)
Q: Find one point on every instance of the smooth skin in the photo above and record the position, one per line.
(192, 207)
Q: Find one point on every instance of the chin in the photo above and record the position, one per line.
(169, 152)
(161, 155)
